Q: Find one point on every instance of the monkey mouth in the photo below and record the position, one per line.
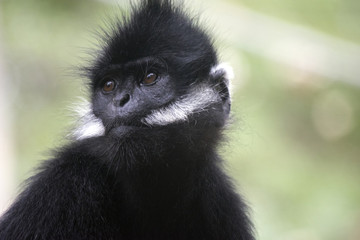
(119, 127)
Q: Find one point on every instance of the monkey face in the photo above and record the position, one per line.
(126, 93)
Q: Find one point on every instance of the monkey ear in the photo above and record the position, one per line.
(220, 76)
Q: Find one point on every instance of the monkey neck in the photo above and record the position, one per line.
(160, 150)
(163, 168)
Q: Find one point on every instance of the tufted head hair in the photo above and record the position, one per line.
(161, 29)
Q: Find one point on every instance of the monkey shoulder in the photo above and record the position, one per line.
(66, 199)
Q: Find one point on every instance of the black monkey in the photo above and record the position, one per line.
(144, 165)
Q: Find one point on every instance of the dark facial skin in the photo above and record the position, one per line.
(125, 93)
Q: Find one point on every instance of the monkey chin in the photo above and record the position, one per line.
(120, 131)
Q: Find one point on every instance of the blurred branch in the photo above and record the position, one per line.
(290, 44)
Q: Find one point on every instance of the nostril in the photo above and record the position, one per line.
(124, 100)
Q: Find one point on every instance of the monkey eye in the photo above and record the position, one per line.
(109, 86)
(149, 79)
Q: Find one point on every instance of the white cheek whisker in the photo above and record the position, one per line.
(87, 124)
(197, 100)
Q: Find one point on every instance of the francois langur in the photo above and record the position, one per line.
(143, 165)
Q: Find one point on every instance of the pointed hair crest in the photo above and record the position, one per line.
(162, 29)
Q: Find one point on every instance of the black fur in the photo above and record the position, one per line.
(138, 182)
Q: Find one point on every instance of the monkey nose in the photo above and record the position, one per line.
(122, 101)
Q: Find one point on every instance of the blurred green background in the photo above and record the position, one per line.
(294, 142)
